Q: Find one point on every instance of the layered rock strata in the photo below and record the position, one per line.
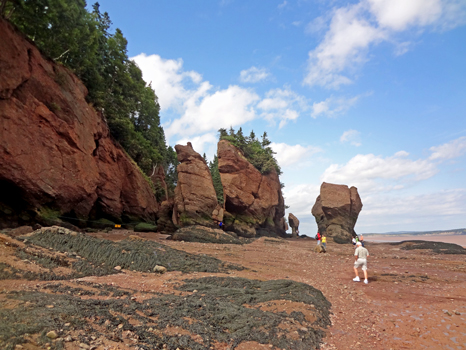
(56, 152)
(336, 211)
(195, 197)
(253, 201)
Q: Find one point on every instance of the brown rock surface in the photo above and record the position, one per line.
(252, 199)
(294, 224)
(195, 197)
(55, 150)
(336, 211)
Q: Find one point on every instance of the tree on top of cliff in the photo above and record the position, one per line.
(67, 33)
(258, 153)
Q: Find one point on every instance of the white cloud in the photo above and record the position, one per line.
(283, 4)
(291, 154)
(333, 106)
(449, 150)
(282, 105)
(229, 107)
(253, 75)
(430, 211)
(375, 173)
(167, 78)
(354, 28)
(399, 14)
(351, 136)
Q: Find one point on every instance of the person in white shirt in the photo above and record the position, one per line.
(360, 255)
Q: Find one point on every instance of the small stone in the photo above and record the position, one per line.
(120, 325)
(52, 335)
(160, 269)
(84, 346)
(457, 313)
(118, 268)
(448, 313)
(68, 338)
(49, 306)
(17, 346)
(303, 329)
(67, 324)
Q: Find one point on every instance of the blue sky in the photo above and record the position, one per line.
(367, 93)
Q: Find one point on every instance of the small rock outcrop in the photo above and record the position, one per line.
(252, 200)
(56, 152)
(204, 234)
(336, 211)
(195, 197)
(294, 224)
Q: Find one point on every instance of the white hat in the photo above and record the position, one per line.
(359, 243)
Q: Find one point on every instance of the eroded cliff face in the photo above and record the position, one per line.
(253, 202)
(55, 150)
(336, 211)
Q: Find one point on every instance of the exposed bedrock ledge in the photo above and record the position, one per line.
(55, 150)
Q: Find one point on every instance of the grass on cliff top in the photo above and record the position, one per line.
(133, 254)
(219, 310)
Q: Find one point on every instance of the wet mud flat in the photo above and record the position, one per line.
(63, 290)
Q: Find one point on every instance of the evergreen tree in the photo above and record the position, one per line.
(66, 32)
(213, 166)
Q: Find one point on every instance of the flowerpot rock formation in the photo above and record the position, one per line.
(336, 211)
(195, 197)
(294, 224)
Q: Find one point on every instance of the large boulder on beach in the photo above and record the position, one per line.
(195, 197)
(336, 211)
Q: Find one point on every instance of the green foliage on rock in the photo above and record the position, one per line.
(145, 227)
(65, 31)
(257, 152)
(213, 166)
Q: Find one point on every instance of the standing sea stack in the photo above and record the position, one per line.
(253, 201)
(336, 211)
(294, 224)
(195, 196)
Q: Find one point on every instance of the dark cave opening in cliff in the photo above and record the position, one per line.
(14, 207)
(100, 211)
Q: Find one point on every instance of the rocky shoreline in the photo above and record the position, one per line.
(272, 293)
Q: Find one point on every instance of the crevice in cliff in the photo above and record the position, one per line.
(94, 152)
(7, 93)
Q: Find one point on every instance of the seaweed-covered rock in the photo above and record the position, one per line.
(436, 247)
(336, 211)
(145, 227)
(204, 234)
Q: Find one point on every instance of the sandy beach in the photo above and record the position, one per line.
(457, 239)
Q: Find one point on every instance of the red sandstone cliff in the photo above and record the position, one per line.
(252, 201)
(55, 150)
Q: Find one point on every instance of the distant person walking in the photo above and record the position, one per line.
(318, 237)
(360, 255)
(361, 239)
(355, 240)
(324, 242)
